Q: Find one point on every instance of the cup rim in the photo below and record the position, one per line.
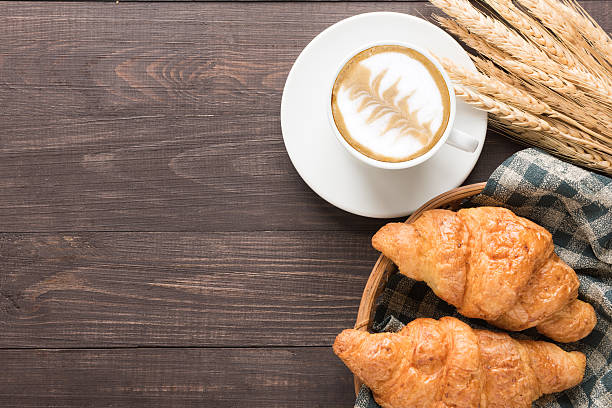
(407, 163)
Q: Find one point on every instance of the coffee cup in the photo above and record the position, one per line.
(392, 106)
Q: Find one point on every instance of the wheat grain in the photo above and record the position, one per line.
(490, 69)
(532, 30)
(519, 69)
(494, 88)
(546, 139)
(589, 29)
(550, 16)
(494, 31)
(520, 118)
(472, 41)
(512, 43)
(542, 77)
(554, 15)
(545, 74)
(504, 91)
(581, 156)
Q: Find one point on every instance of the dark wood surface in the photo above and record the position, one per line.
(157, 247)
(218, 289)
(175, 377)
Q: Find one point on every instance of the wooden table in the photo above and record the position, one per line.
(157, 246)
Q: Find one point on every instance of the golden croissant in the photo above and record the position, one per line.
(444, 363)
(491, 265)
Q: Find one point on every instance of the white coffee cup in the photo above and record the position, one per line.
(453, 137)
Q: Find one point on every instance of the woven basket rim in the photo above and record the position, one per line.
(384, 266)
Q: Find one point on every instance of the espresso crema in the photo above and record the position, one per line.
(390, 103)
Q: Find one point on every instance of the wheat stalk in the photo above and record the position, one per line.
(562, 20)
(578, 155)
(533, 31)
(539, 35)
(525, 120)
(473, 41)
(545, 74)
(534, 80)
(504, 92)
(537, 81)
(518, 68)
(490, 69)
(589, 29)
(514, 44)
(494, 88)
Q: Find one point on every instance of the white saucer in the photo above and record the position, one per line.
(320, 159)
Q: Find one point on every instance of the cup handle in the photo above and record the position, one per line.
(462, 141)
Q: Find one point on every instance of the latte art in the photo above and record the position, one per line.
(390, 103)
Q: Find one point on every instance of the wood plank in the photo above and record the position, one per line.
(161, 117)
(180, 289)
(280, 377)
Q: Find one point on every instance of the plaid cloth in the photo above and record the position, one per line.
(576, 207)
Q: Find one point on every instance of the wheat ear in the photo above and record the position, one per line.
(472, 41)
(571, 152)
(494, 88)
(502, 91)
(542, 77)
(554, 15)
(522, 119)
(503, 59)
(535, 32)
(589, 29)
(489, 68)
(532, 30)
(511, 42)
(563, 96)
(574, 29)
(518, 68)
(537, 79)
(494, 31)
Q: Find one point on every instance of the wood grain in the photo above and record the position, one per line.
(279, 377)
(157, 248)
(161, 117)
(187, 289)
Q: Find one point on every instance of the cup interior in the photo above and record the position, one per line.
(407, 163)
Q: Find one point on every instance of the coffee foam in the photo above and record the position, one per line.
(390, 103)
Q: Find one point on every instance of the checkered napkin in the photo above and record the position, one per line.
(576, 207)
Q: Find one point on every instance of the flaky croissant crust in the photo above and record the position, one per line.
(492, 265)
(445, 363)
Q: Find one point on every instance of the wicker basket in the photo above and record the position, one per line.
(384, 267)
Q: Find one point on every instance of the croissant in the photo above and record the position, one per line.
(492, 265)
(444, 363)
